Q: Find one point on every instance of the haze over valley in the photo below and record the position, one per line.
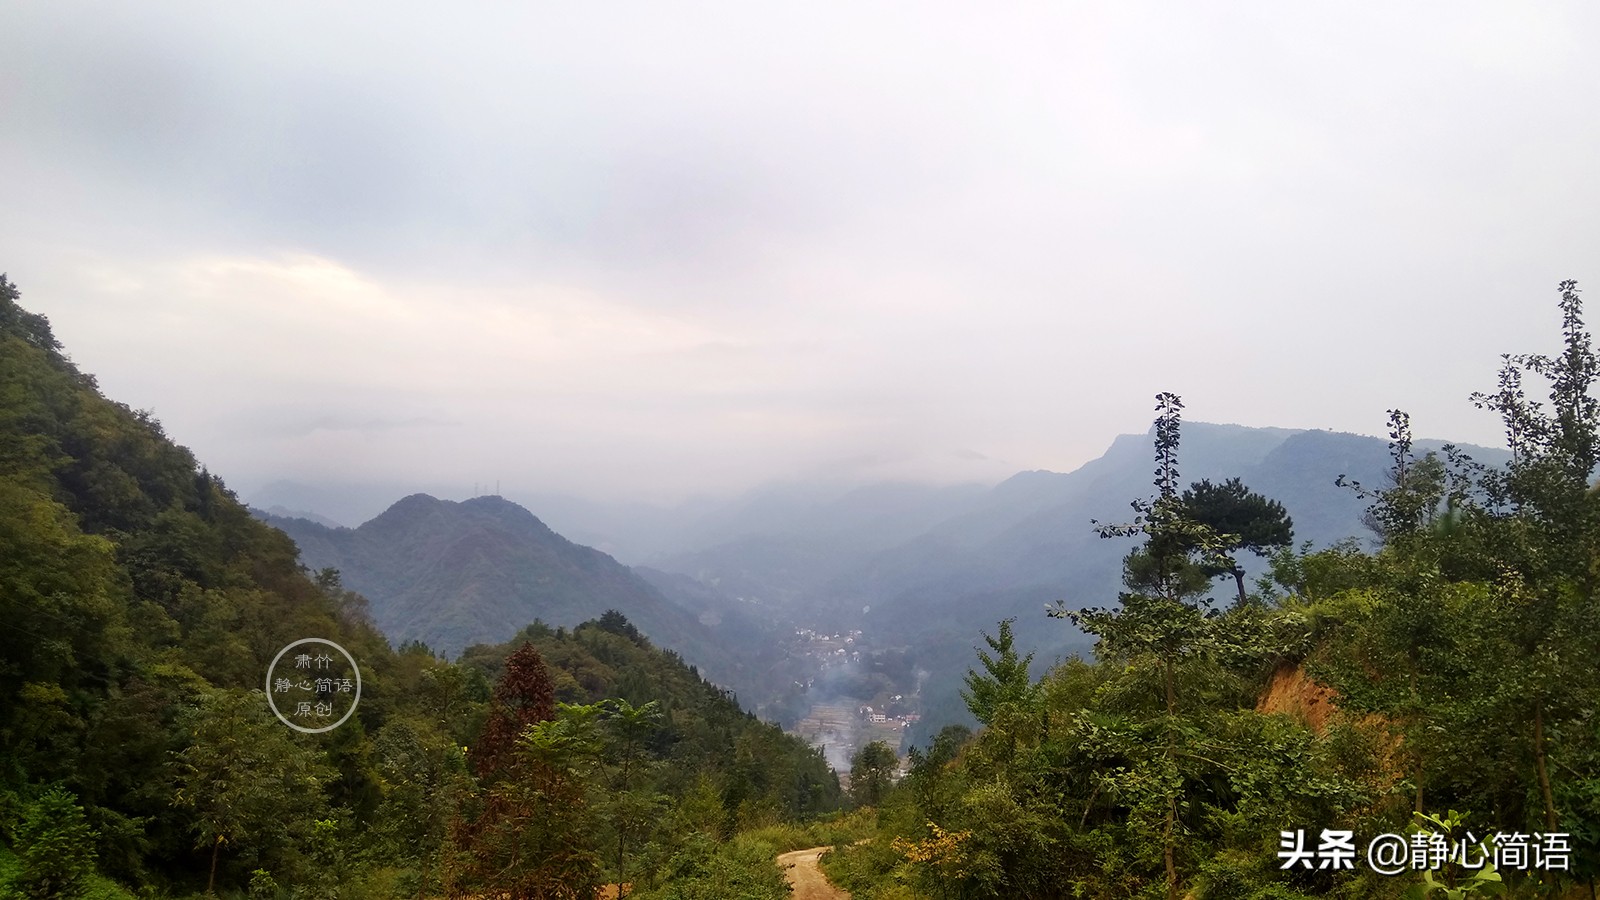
(812, 601)
(537, 451)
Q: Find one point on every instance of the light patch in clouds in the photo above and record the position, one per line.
(543, 370)
(657, 252)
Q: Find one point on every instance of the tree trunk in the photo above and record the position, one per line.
(1238, 576)
(621, 892)
(1170, 838)
(216, 849)
(1541, 768)
(1171, 850)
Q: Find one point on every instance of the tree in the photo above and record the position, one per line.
(55, 847)
(872, 771)
(247, 783)
(523, 696)
(30, 327)
(1242, 520)
(1548, 528)
(1161, 629)
(1418, 489)
(538, 839)
(1004, 681)
(1475, 631)
(632, 809)
(422, 775)
(533, 827)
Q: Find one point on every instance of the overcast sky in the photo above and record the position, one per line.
(639, 250)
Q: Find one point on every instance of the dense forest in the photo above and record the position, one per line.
(142, 606)
(1227, 740)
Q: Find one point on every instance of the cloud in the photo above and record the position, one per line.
(666, 251)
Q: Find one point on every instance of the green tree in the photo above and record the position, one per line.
(1004, 681)
(1159, 630)
(248, 784)
(533, 834)
(1546, 523)
(632, 806)
(1242, 520)
(55, 847)
(544, 841)
(872, 771)
(422, 777)
(1480, 607)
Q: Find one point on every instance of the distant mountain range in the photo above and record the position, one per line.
(1011, 550)
(1031, 532)
(456, 574)
(919, 567)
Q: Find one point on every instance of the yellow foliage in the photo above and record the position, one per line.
(943, 852)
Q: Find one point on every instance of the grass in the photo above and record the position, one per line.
(844, 828)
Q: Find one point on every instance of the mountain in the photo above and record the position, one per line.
(455, 574)
(281, 512)
(145, 610)
(1027, 543)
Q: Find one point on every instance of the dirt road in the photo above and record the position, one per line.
(807, 879)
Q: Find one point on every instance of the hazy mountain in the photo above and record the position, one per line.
(918, 567)
(455, 574)
(281, 512)
(1011, 550)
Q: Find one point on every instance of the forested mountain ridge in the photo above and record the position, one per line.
(143, 605)
(454, 574)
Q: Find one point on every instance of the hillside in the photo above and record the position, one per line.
(455, 574)
(144, 607)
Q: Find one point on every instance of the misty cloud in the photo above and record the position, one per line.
(661, 251)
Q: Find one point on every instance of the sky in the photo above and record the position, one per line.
(643, 251)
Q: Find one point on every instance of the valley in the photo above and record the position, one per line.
(812, 604)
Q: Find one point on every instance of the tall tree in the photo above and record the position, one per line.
(1549, 527)
(1162, 627)
(523, 696)
(632, 807)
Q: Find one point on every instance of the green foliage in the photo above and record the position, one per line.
(1005, 682)
(54, 847)
(262, 885)
(833, 829)
(1243, 520)
(249, 787)
(872, 771)
(743, 869)
(1455, 882)
(1451, 668)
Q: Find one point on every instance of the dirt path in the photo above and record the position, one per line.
(808, 881)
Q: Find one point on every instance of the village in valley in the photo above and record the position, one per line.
(858, 694)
